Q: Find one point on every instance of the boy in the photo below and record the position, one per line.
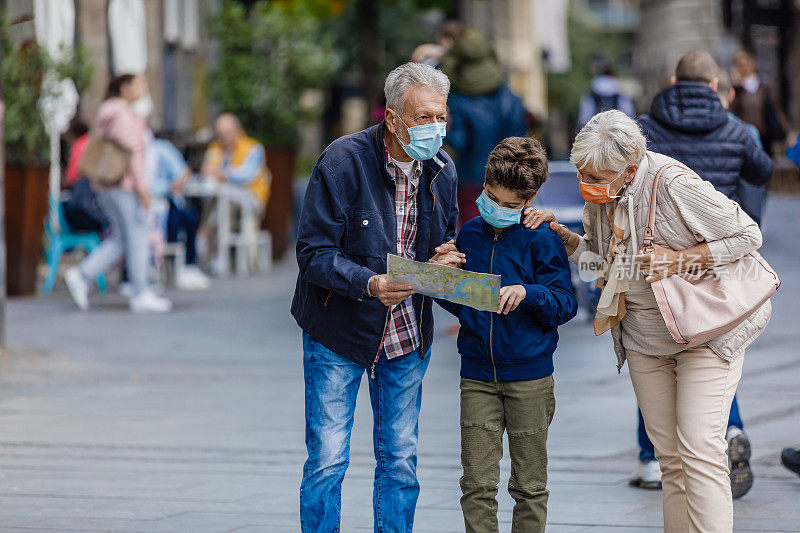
(507, 356)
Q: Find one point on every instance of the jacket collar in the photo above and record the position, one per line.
(434, 165)
(491, 230)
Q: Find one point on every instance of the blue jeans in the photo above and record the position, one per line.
(127, 238)
(753, 200)
(646, 450)
(331, 386)
(182, 217)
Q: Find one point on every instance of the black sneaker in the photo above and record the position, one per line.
(791, 459)
(739, 457)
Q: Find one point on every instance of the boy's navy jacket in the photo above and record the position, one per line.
(347, 227)
(520, 345)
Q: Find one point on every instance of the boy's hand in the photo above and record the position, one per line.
(510, 298)
(447, 254)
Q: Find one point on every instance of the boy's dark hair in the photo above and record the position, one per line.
(518, 164)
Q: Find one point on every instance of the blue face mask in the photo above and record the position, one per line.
(426, 139)
(495, 215)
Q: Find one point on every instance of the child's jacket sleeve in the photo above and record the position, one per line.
(552, 298)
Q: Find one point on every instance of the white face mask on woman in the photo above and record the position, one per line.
(143, 106)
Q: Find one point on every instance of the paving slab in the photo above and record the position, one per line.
(193, 421)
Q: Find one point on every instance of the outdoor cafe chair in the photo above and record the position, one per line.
(60, 239)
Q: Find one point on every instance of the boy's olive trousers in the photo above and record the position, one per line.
(524, 409)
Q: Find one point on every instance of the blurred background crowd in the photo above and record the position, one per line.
(238, 98)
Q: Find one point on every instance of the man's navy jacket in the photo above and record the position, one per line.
(347, 227)
(687, 122)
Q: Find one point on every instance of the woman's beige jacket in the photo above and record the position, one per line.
(689, 211)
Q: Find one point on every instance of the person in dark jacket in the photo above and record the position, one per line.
(483, 112)
(688, 122)
(752, 198)
(386, 189)
(757, 101)
(507, 356)
(605, 94)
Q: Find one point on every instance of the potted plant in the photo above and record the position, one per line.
(269, 56)
(22, 69)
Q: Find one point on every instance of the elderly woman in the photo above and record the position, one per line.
(685, 394)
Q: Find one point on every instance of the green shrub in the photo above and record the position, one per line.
(268, 56)
(22, 69)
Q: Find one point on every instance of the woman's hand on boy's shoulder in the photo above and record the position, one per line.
(510, 298)
(447, 254)
(535, 217)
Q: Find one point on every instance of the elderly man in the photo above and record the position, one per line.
(386, 189)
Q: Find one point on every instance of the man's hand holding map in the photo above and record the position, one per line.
(473, 289)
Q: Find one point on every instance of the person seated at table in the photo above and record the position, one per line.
(238, 160)
(171, 174)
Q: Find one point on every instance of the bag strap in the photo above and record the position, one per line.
(647, 243)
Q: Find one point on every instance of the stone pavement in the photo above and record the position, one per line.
(193, 422)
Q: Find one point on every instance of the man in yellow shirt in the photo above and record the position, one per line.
(240, 161)
(237, 159)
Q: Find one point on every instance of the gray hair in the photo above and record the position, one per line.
(409, 75)
(610, 141)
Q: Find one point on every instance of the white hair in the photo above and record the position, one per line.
(610, 141)
(409, 75)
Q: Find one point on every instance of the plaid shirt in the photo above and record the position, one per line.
(402, 332)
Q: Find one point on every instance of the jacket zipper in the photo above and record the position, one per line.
(422, 341)
(389, 312)
(431, 184)
(380, 346)
(327, 299)
(491, 315)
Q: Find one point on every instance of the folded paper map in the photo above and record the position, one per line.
(473, 289)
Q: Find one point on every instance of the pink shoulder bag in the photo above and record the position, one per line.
(699, 307)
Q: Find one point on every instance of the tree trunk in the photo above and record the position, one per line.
(25, 188)
(2, 224)
(279, 215)
(669, 29)
(368, 45)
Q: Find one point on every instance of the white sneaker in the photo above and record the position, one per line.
(215, 266)
(583, 315)
(647, 475)
(191, 278)
(148, 301)
(78, 288)
(125, 289)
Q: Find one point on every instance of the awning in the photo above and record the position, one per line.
(128, 32)
(54, 24)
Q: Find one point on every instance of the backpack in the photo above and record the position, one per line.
(604, 102)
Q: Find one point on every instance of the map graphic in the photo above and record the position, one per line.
(473, 289)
